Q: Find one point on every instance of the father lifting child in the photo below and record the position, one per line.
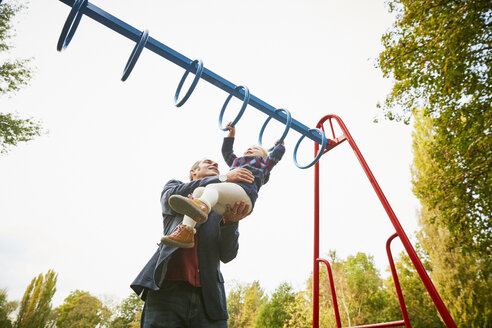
(217, 196)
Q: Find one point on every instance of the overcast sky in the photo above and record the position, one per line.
(83, 199)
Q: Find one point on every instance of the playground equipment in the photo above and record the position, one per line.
(321, 142)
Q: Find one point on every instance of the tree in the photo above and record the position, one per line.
(128, 313)
(35, 306)
(6, 308)
(274, 313)
(300, 311)
(14, 74)
(457, 272)
(243, 303)
(419, 305)
(367, 299)
(81, 310)
(462, 278)
(439, 54)
(361, 295)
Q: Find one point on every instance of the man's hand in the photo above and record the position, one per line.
(237, 213)
(240, 175)
(232, 130)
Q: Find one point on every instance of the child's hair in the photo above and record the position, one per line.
(263, 150)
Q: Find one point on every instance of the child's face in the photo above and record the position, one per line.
(255, 151)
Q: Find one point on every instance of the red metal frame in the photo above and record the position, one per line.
(443, 311)
(396, 281)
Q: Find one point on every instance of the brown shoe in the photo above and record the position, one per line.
(182, 236)
(194, 208)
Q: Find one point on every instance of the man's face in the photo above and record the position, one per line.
(206, 168)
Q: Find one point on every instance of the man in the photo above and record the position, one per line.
(184, 287)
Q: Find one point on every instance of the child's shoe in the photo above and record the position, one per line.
(194, 208)
(182, 236)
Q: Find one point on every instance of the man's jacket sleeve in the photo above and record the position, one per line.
(229, 245)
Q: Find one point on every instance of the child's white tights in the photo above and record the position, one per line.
(217, 196)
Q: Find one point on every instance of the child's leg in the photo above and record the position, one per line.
(184, 234)
(215, 196)
(186, 219)
(219, 195)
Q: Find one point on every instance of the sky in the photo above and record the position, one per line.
(83, 199)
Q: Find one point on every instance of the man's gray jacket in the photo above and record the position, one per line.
(216, 242)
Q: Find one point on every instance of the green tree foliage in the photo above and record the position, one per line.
(35, 306)
(81, 310)
(361, 294)
(420, 308)
(462, 279)
(366, 297)
(243, 304)
(6, 308)
(14, 74)
(457, 272)
(439, 54)
(300, 311)
(245, 301)
(327, 312)
(14, 129)
(52, 318)
(128, 313)
(274, 313)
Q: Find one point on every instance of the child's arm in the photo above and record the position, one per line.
(227, 145)
(232, 130)
(275, 156)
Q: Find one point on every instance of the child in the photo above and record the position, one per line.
(216, 196)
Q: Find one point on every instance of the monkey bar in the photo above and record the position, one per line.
(143, 40)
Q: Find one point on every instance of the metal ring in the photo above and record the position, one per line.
(198, 74)
(287, 127)
(137, 50)
(241, 111)
(324, 142)
(71, 24)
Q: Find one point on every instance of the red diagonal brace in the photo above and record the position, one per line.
(431, 289)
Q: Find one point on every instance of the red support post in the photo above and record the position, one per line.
(316, 243)
(333, 292)
(396, 281)
(436, 298)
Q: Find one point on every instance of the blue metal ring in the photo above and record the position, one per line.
(198, 74)
(324, 142)
(287, 127)
(137, 50)
(71, 24)
(241, 111)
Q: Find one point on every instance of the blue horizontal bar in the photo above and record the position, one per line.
(162, 50)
